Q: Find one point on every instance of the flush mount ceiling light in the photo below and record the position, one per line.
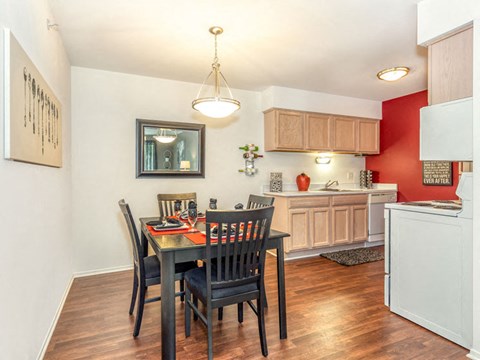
(165, 136)
(393, 74)
(215, 104)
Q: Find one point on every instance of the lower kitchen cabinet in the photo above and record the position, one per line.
(299, 224)
(341, 225)
(359, 223)
(320, 226)
(321, 221)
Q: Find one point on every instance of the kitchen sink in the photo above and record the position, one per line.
(336, 190)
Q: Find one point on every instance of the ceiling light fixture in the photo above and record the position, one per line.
(165, 136)
(393, 74)
(215, 105)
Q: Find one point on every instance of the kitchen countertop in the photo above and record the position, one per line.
(329, 193)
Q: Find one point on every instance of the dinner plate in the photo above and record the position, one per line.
(170, 227)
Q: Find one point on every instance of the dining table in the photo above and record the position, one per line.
(176, 248)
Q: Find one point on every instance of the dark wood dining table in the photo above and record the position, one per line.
(176, 248)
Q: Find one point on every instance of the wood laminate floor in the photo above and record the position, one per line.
(334, 313)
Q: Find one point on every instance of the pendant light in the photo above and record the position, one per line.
(165, 136)
(216, 104)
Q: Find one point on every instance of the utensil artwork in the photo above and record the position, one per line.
(42, 111)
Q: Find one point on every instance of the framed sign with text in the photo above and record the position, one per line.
(437, 173)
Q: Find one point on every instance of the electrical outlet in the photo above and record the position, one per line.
(349, 175)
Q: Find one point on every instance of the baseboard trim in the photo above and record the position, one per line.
(46, 342)
(102, 271)
(474, 354)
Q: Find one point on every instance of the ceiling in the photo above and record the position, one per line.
(330, 46)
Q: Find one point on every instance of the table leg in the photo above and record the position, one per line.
(167, 269)
(282, 306)
(144, 242)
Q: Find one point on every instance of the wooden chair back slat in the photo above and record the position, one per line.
(166, 202)
(258, 201)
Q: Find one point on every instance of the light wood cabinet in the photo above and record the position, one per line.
(284, 130)
(368, 136)
(341, 225)
(359, 223)
(288, 130)
(349, 219)
(318, 132)
(321, 221)
(320, 227)
(299, 229)
(344, 134)
(450, 68)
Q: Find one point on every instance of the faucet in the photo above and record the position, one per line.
(331, 183)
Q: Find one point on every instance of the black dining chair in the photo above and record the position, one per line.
(254, 202)
(166, 202)
(146, 270)
(238, 273)
(258, 201)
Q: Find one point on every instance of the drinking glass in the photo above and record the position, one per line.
(177, 207)
(192, 218)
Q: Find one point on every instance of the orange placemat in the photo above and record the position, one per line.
(167, 232)
(199, 238)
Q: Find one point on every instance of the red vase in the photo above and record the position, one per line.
(303, 182)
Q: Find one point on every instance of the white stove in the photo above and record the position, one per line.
(428, 263)
(437, 207)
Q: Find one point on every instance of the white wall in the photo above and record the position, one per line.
(35, 245)
(104, 108)
(436, 18)
(294, 99)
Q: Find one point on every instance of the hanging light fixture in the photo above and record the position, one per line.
(216, 105)
(165, 136)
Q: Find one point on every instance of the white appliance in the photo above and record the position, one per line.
(428, 263)
(446, 131)
(376, 206)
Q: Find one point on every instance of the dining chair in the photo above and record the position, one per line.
(146, 270)
(254, 202)
(237, 276)
(258, 201)
(166, 202)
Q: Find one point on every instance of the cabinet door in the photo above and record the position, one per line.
(318, 132)
(344, 134)
(299, 233)
(450, 68)
(290, 130)
(341, 225)
(368, 136)
(359, 223)
(320, 227)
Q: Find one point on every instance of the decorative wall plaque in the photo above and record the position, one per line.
(437, 173)
(33, 114)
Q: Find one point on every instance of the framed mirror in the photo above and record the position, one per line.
(170, 149)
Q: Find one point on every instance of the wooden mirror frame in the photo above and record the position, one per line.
(140, 146)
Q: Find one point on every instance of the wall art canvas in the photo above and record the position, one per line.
(33, 114)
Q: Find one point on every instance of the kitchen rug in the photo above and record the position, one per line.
(354, 256)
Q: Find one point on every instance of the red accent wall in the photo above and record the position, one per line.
(398, 161)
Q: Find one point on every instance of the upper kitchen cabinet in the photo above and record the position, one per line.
(344, 134)
(368, 136)
(288, 130)
(284, 130)
(317, 132)
(450, 68)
